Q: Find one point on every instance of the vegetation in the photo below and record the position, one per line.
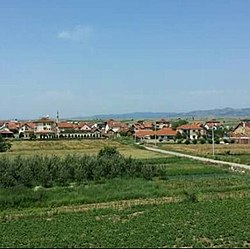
(49, 171)
(4, 145)
(179, 174)
(178, 123)
(238, 153)
(104, 199)
(61, 148)
(218, 223)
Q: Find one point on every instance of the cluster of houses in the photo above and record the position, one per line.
(46, 128)
(160, 130)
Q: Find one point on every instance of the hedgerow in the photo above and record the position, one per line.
(49, 171)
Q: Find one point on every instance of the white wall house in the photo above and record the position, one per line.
(45, 128)
(192, 131)
(26, 130)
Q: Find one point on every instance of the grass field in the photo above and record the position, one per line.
(194, 204)
(64, 147)
(238, 153)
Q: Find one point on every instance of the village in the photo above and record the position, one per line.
(142, 131)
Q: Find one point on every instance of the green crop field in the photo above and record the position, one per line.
(220, 223)
(188, 204)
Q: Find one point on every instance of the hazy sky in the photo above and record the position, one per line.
(90, 57)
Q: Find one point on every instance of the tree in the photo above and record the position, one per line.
(109, 151)
(4, 145)
(178, 123)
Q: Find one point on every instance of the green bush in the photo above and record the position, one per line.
(194, 141)
(4, 145)
(108, 151)
(50, 171)
(202, 141)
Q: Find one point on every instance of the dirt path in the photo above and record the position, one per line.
(203, 159)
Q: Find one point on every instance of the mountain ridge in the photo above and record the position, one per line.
(211, 113)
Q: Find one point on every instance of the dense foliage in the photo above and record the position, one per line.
(4, 145)
(54, 170)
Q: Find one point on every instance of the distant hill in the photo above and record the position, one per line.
(225, 112)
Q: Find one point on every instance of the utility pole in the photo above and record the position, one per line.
(155, 133)
(213, 139)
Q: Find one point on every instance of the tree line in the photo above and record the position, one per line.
(48, 171)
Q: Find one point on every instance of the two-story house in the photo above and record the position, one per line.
(192, 131)
(45, 128)
(241, 133)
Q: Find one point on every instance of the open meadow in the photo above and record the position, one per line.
(64, 147)
(175, 202)
(237, 153)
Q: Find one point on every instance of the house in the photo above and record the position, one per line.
(80, 134)
(143, 125)
(6, 133)
(114, 127)
(141, 135)
(65, 126)
(212, 123)
(13, 126)
(26, 130)
(164, 134)
(241, 133)
(192, 131)
(81, 130)
(84, 126)
(162, 123)
(45, 128)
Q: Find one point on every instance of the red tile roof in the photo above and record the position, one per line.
(190, 127)
(161, 132)
(12, 125)
(30, 124)
(65, 125)
(143, 133)
(44, 120)
(112, 124)
(166, 132)
(5, 132)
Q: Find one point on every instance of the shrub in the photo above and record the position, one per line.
(108, 151)
(202, 141)
(49, 171)
(210, 141)
(194, 141)
(187, 141)
(217, 141)
(4, 145)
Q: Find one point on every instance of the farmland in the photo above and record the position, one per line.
(190, 204)
(238, 153)
(64, 147)
(220, 223)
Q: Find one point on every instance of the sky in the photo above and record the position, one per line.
(87, 57)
